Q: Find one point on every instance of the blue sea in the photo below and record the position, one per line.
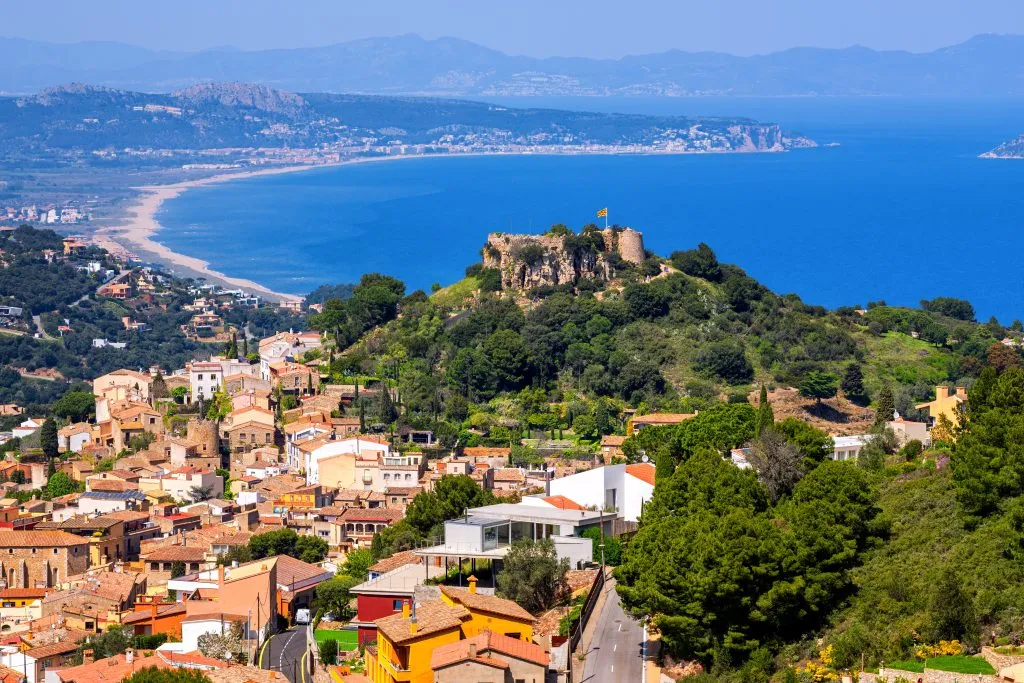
(901, 210)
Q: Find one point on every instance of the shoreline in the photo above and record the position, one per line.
(136, 231)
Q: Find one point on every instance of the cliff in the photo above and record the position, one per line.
(530, 261)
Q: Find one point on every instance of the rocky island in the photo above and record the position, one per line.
(1013, 149)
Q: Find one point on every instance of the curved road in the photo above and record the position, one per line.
(616, 650)
(287, 652)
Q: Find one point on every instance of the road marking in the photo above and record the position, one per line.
(264, 649)
(302, 663)
(615, 647)
(620, 628)
(613, 668)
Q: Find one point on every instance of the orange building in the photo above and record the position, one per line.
(152, 615)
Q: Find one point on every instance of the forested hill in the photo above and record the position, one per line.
(742, 571)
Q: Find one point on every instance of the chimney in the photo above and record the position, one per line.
(413, 625)
(472, 584)
(129, 655)
(961, 392)
(941, 392)
(472, 649)
(220, 575)
(87, 657)
(405, 610)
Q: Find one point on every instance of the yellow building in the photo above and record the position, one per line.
(406, 641)
(945, 405)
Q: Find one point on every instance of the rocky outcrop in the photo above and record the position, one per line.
(531, 261)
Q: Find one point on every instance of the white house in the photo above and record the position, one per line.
(74, 436)
(28, 427)
(619, 488)
(205, 379)
(849, 447)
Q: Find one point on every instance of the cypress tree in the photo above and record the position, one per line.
(48, 438)
(886, 406)
(765, 414)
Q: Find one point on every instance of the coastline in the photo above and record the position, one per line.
(137, 231)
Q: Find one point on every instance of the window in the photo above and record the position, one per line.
(200, 378)
(396, 605)
(54, 551)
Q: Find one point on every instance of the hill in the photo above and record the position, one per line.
(986, 65)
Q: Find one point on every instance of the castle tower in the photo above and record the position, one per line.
(631, 246)
(204, 434)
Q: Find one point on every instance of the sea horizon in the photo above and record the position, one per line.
(876, 216)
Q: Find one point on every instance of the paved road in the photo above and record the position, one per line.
(616, 650)
(286, 652)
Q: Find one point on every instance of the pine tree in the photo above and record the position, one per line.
(765, 414)
(886, 406)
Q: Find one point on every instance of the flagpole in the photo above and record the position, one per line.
(606, 219)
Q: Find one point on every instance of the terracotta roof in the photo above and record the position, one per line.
(39, 539)
(485, 452)
(145, 615)
(488, 641)
(402, 490)
(9, 675)
(215, 616)
(643, 471)
(245, 674)
(191, 660)
(432, 616)
(486, 603)
(22, 593)
(509, 474)
(291, 570)
(176, 553)
(612, 440)
(371, 515)
(113, 669)
(395, 561)
(563, 503)
(44, 651)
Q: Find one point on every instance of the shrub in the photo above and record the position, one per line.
(725, 360)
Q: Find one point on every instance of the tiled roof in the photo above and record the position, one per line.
(395, 561)
(508, 474)
(488, 641)
(112, 669)
(145, 615)
(612, 440)
(643, 471)
(191, 660)
(39, 539)
(82, 522)
(432, 616)
(44, 651)
(291, 570)
(487, 603)
(245, 674)
(371, 515)
(662, 418)
(112, 486)
(22, 593)
(402, 490)
(9, 675)
(176, 553)
(563, 503)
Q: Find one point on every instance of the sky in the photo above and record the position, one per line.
(539, 28)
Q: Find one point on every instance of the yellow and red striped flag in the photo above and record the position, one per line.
(602, 213)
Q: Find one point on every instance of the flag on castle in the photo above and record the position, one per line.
(602, 213)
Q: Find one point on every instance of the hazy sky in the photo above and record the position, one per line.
(593, 28)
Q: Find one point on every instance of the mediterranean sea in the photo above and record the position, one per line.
(901, 210)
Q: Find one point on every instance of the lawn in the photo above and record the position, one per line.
(961, 664)
(347, 640)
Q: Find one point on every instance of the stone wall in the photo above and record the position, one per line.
(999, 661)
(529, 261)
(929, 676)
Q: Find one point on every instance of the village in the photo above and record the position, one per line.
(178, 472)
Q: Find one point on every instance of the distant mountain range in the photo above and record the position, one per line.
(984, 66)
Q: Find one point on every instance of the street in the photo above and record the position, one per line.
(616, 650)
(286, 652)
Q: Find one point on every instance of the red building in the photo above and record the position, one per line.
(384, 595)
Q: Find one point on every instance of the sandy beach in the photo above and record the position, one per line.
(138, 232)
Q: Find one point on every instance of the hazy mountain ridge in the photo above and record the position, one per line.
(986, 65)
